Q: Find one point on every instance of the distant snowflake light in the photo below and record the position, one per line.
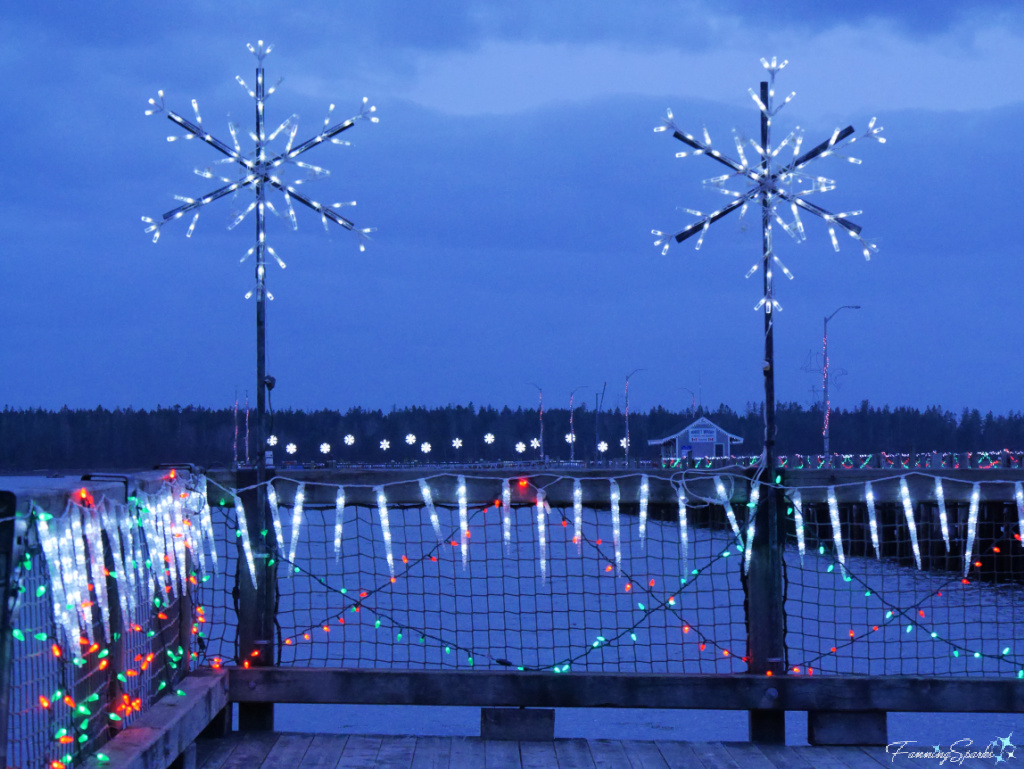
(272, 440)
(385, 445)
(325, 448)
(350, 440)
(410, 439)
(535, 443)
(291, 448)
(457, 443)
(489, 438)
(520, 447)
(623, 442)
(570, 438)
(602, 447)
(425, 447)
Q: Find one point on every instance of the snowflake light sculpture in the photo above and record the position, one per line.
(570, 438)
(261, 170)
(272, 440)
(291, 448)
(535, 443)
(350, 440)
(602, 447)
(410, 439)
(385, 445)
(520, 447)
(624, 442)
(782, 185)
(457, 443)
(489, 438)
(425, 447)
(325, 448)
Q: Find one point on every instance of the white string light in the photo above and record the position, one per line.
(908, 513)
(940, 497)
(798, 517)
(869, 498)
(645, 495)
(684, 535)
(616, 532)
(723, 500)
(755, 496)
(275, 515)
(339, 512)
(542, 540)
(428, 500)
(506, 515)
(297, 510)
(577, 515)
(243, 529)
(385, 527)
(837, 534)
(463, 520)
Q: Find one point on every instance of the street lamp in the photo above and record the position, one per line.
(626, 445)
(824, 376)
(572, 432)
(540, 409)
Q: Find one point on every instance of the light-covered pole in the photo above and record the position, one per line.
(540, 410)
(625, 441)
(824, 383)
(572, 431)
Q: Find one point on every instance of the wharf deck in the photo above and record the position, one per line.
(280, 750)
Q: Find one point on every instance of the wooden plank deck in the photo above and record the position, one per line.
(264, 750)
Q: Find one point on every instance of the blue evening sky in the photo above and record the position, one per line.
(513, 179)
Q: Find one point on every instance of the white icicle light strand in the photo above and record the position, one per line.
(616, 530)
(755, 497)
(798, 518)
(542, 536)
(1018, 494)
(463, 520)
(275, 516)
(972, 527)
(723, 500)
(908, 513)
(577, 515)
(645, 495)
(869, 498)
(297, 510)
(943, 520)
(428, 500)
(684, 534)
(339, 514)
(506, 515)
(243, 529)
(385, 527)
(837, 534)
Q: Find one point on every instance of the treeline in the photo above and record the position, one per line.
(35, 439)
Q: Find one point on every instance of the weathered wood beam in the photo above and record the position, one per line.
(626, 690)
(169, 727)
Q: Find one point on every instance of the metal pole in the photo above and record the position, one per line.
(572, 431)
(540, 409)
(828, 405)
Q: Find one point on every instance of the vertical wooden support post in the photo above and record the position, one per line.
(256, 605)
(766, 643)
(12, 539)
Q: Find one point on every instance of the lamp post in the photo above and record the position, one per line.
(572, 431)
(824, 382)
(693, 398)
(540, 409)
(626, 447)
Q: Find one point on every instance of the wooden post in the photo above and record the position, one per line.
(12, 542)
(256, 605)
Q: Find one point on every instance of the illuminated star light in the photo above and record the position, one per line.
(570, 438)
(260, 170)
(784, 183)
(623, 442)
(425, 447)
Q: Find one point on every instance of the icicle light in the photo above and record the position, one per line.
(616, 531)
(755, 497)
(723, 500)
(943, 520)
(837, 534)
(297, 509)
(908, 513)
(798, 520)
(542, 534)
(385, 528)
(243, 529)
(275, 515)
(428, 500)
(506, 515)
(972, 527)
(684, 535)
(339, 512)
(645, 496)
(577, 515)
(869, 498)
(463, 520)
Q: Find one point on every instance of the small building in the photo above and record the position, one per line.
(702, 438)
